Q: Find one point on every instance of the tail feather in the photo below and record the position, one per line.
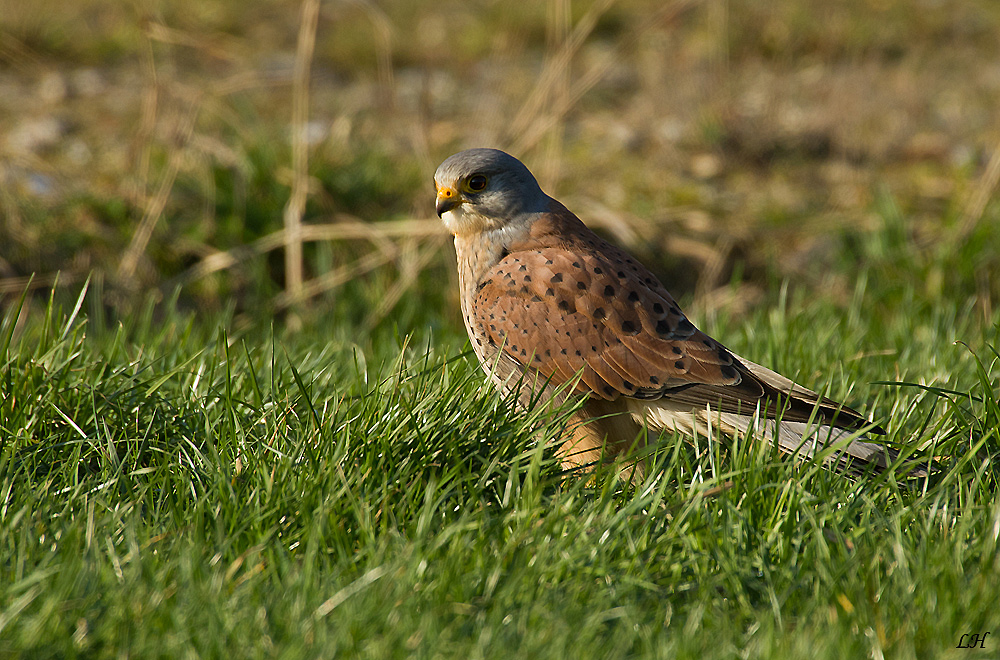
(852, 452)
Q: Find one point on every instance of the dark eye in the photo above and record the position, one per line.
(477, 182)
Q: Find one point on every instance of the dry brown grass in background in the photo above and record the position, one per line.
(711, 131)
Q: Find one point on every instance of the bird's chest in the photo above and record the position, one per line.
(475, 258)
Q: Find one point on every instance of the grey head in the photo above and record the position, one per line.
(479, 189)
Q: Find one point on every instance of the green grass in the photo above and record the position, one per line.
(189, 477)
(172, 487)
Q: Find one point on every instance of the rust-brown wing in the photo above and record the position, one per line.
(566, 302)
(561, 312)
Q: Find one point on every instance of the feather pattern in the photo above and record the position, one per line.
(553, 310)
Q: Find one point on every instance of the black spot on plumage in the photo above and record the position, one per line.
(724, 356)
(550, 292)
(679, 364)
(538, 359)
(523, 352)
(524, 289)
(621, 274)
(576, 264)
(599, 313)
(548, 262)
(609, 291)
(563, 305)
(562, 352)
(579, 354)
(657, 308)
(633, 296)
(654, 380)
(522, 267)
(535, 299)
(581, 286)
(629, 328)
(609, 390)
(558, 277)
(662, 327)
(628, 385)
(593, 348)
(707, 342)
(685, 326)
(598, 271)
(728, 372)
(677, 351)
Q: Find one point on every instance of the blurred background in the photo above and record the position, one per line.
(277, 155)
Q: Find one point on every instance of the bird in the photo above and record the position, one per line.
(554, 311)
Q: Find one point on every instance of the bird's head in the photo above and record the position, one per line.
(482, 189)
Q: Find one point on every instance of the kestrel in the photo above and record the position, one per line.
(553, 310)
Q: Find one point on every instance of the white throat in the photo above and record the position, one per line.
(455, 220)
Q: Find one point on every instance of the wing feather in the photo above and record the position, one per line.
(564, 301)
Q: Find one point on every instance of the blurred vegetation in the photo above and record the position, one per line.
(725, 142)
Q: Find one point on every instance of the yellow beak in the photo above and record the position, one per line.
(447, 199)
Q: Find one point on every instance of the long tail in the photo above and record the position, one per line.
(851, 453)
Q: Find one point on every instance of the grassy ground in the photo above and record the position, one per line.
(169, 487)
(196, 462)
